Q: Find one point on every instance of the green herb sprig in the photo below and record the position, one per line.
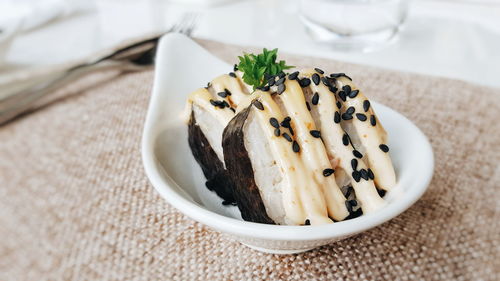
(256, 68)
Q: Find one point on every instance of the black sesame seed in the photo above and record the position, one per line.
(333, 89)
(286, 122)
(345, 139)
(366, 105)
(319, 71)
(315, 78)
(364, 174)
(353, 94)
(235, 67)
(291, 130)
(308, 106)
(357, 154)
(346, 89)
(281, 88)
(307, 222)
(232, 109)
(219, 104)
(346, 116)
(325, 81)
(293, 76)
(342, 96)
(295, 146)
(274, 122)
(280, 81)
(267, 76)
(370, 174)
(258, 104)
(353, 202)
(315, 99)
(328, 172)
(304, 82)
(384, 148)
(354, 164)
(348, 191)
(315, 133)
(287, 137)
(356, 176)
(277, 132)
(222, 94)
(350, 110)
(348, 206)
(381, 192)
(339, 105)
(337, 75)
(373, 120)
(281, 75)
(336, 117)
(232, 74)
(361, 116)
(265, 88)
(271, 82)
(227, 92)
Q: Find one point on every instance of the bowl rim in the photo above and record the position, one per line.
(267, 231)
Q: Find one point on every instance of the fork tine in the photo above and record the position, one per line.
(186, 25)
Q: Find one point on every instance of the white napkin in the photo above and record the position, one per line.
(33, 13)
(17, 16)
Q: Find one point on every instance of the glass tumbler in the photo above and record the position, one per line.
(358, 25)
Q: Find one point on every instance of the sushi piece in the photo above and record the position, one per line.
(269, 166)
(209, 110)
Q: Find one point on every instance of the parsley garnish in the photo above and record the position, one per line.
(257, 68)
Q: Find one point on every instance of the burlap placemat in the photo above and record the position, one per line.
(75, 203)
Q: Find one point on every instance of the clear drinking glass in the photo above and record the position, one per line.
(360, 25)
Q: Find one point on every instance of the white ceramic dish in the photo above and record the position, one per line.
(183, 66)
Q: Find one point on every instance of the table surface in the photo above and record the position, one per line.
(455, 39)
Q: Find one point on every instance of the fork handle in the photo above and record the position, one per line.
(14, 105)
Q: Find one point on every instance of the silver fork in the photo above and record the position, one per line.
(136, 57)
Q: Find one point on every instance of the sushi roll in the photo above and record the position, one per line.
(303, 148)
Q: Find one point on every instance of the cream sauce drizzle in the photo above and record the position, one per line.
(233, 85)
(201, 98)
(313, 153)
(301, 199)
